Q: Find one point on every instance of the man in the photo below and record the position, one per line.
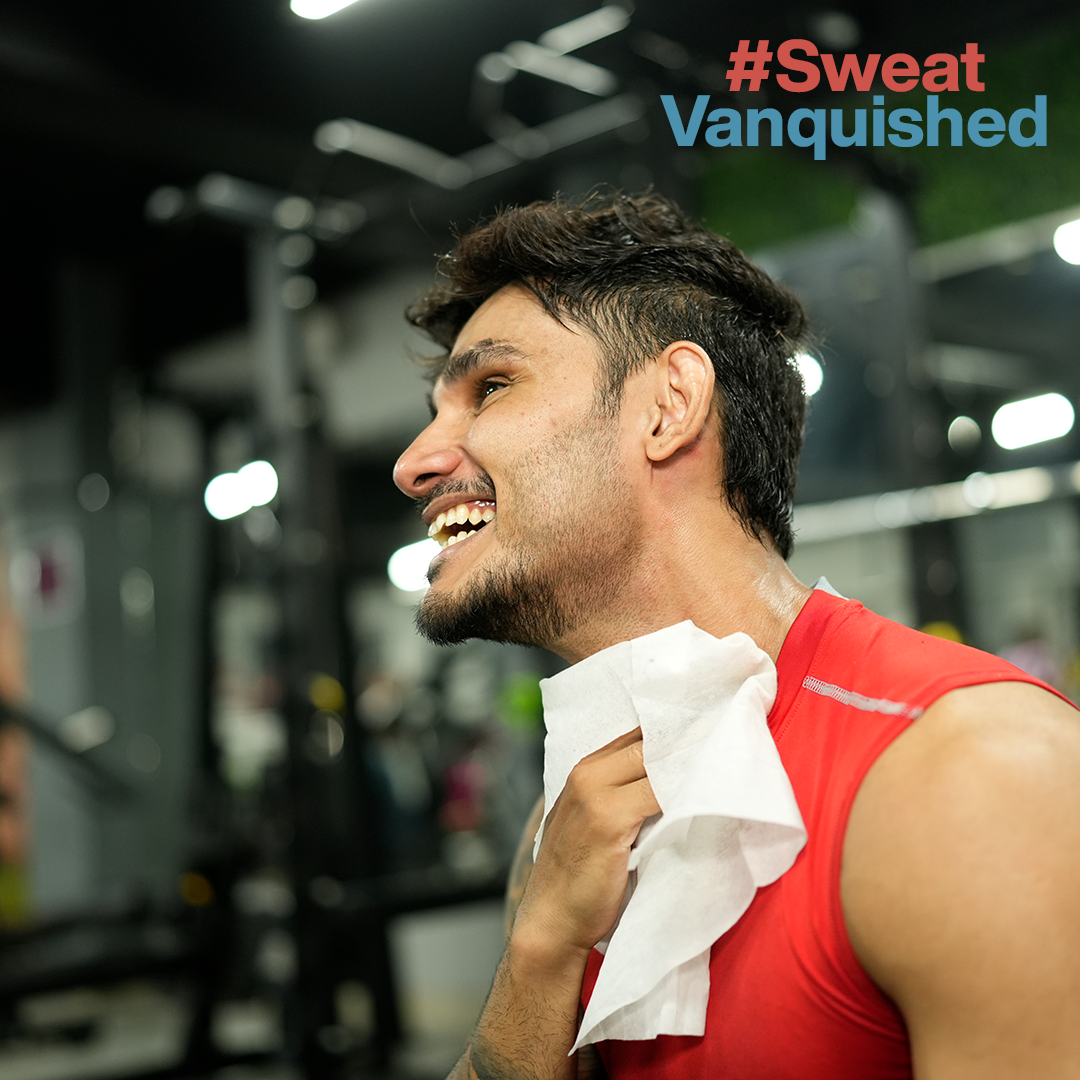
(612, 451)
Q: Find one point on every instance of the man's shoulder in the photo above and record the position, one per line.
(1010, 748)
(961, 877)
(978, 734)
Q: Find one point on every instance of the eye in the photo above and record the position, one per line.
(488, 386)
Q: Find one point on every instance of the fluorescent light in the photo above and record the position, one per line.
(318, 9)
(1033, 420)
(811, 372)
(964, 434)
(224, 496)
(571, 71)
(231, 494)
(1067, 242)
(87, 728)
(979, 490)
(260, 482)
(582, 31)
(1020, 487)
(407, 567)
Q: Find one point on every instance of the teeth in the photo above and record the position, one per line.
(458, 537)
(459, 515)
(436, 525)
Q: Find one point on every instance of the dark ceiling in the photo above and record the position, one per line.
(102, 104)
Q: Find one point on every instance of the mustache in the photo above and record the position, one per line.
(479, 487)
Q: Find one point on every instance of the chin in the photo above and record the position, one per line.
(516, 608)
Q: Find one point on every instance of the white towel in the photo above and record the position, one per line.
(730, 823)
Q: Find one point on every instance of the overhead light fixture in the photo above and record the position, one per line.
(964, 434)
(1067, 241)
(582, 31)
(812, 374)
(232, 494)
(408, 566)
(318, 9)
(1032, 420)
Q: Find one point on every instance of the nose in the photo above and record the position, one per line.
(432, 458)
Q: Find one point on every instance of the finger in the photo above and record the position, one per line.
(644, 798)
(622, 761)
(627, 809)
(634, 802)
(613, 814)
(620, 742)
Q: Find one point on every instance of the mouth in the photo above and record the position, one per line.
(461, 521)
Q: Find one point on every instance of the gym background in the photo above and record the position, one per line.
(250, 824)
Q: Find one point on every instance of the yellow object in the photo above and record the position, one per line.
(196, 889)
(943, 629)
(325, 692)
(14, 896)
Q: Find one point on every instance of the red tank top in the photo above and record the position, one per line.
(788, 999)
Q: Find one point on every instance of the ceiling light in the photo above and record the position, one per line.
(1033, 420)
(231, 494)
(964, 434)
(408, 566)
(582, 31)
(811, 372)
(1067, 242)
(318, 9)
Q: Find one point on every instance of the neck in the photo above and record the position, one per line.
(702, 567)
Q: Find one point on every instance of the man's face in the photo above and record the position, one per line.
(522, 480)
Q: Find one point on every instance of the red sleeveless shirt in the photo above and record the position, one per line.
(788, 999)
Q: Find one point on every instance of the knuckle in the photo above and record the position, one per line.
(596, 815)
(583, 778)
(575, 788)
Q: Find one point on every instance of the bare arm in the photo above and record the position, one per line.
(521, 867)
(589, 1066)
(961, 884)
(570, 901)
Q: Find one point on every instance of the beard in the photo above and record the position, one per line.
(518, 606)
(553, 579)
(532, 602)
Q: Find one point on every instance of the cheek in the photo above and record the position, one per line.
(510, 423)
(552, 467)
(583, 474)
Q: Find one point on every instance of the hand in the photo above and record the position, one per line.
(577, 886)
(571, 901)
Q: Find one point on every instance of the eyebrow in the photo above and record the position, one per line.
(460, 365)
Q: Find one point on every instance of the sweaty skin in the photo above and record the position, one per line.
(961, 874)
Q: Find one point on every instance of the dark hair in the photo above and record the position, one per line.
(638, 274)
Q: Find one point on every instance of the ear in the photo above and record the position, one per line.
(683, 395)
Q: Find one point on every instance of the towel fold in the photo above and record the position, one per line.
(729, 825)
